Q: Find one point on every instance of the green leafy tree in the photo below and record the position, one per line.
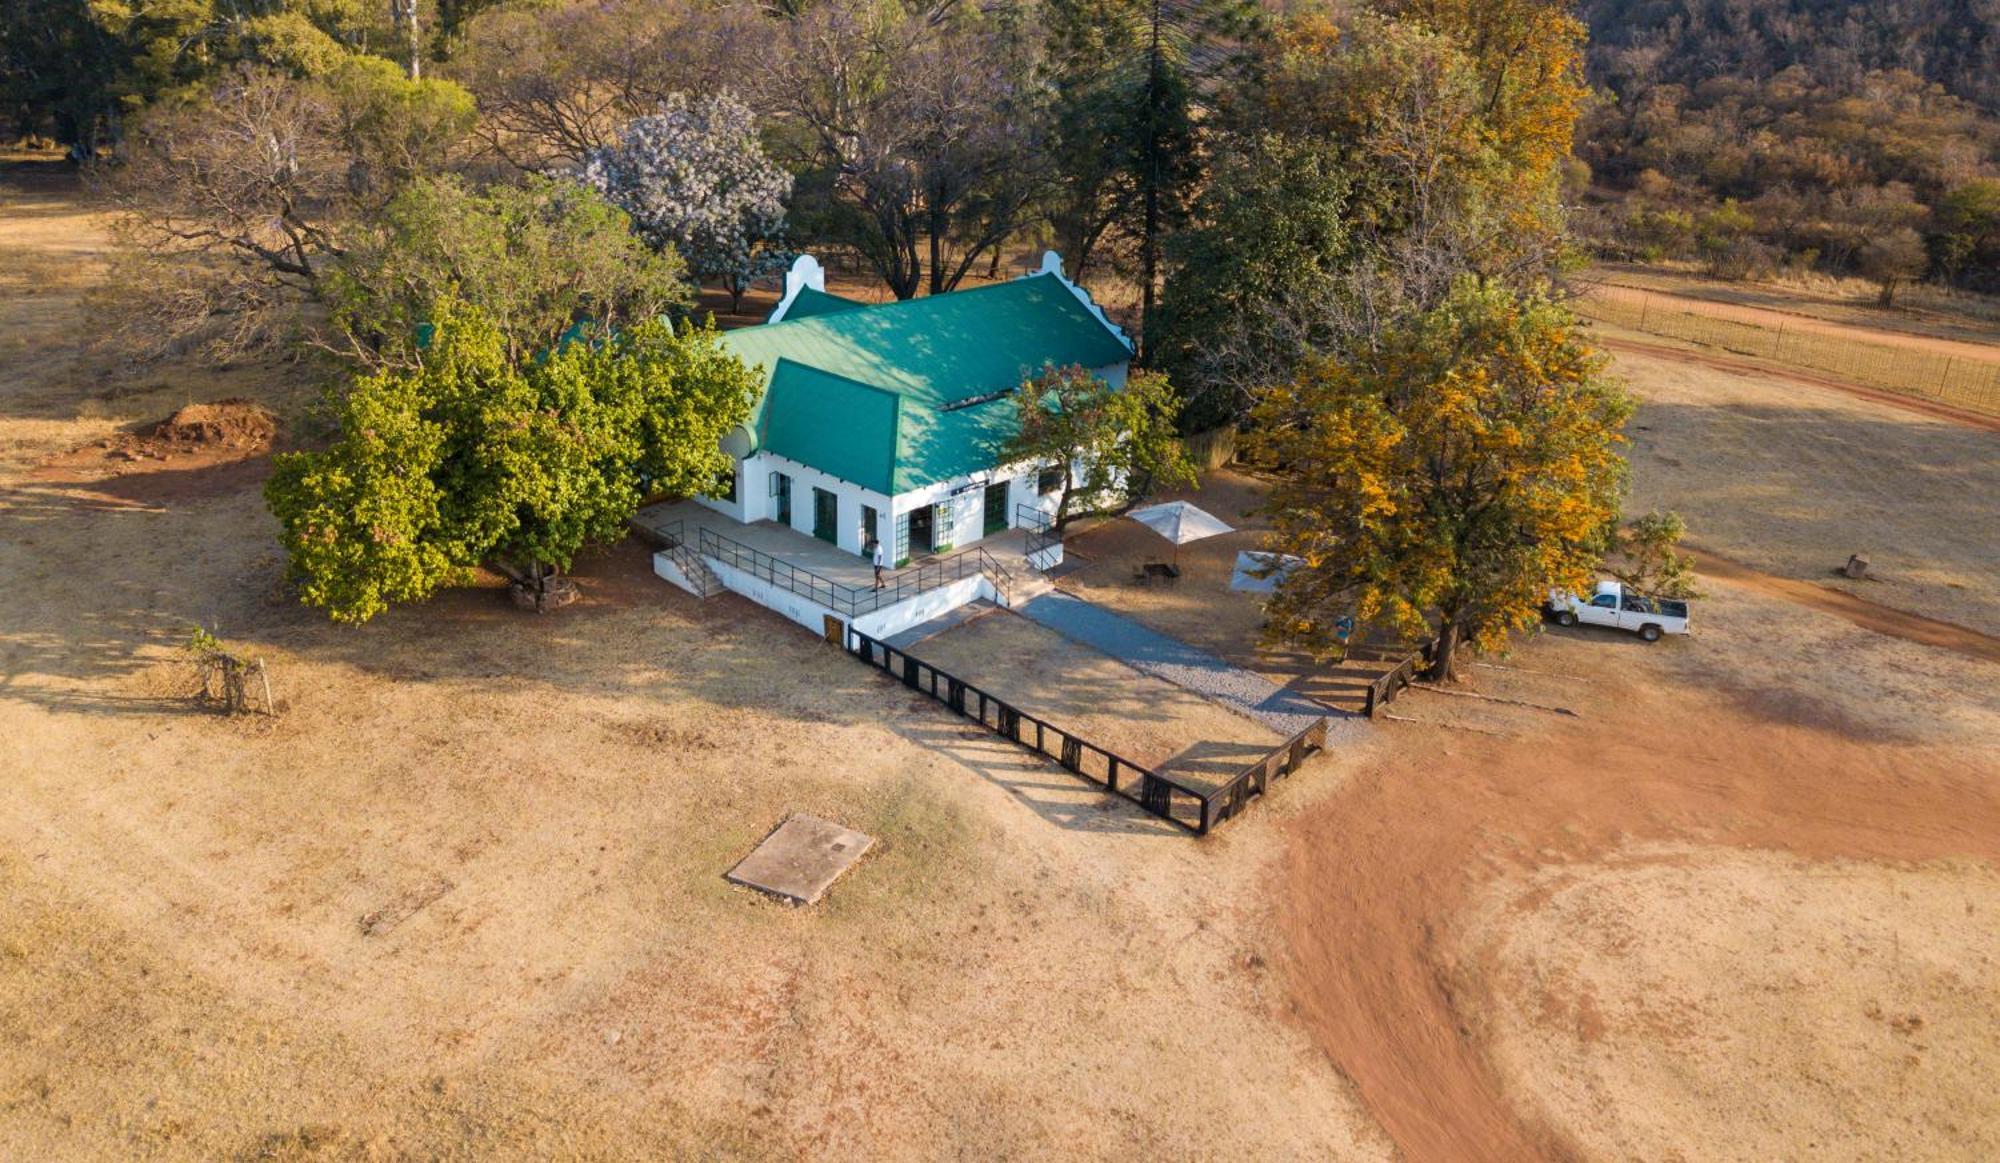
(1133, 79)
(473, 459)
(533, 259)
(1270, 226)
(80, 71)
(1649, 559)
(1446, 479)
(1112, 445)
(1725, 239)
(1968, 238)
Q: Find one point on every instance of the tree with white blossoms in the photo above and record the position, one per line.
(696, 177)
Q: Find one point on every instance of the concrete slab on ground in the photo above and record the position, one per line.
(801, 859)
(1148, 650)
(941, 623)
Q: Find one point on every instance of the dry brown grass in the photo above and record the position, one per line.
(463, 897)
(1135, 716)
(1635, 995)
(1792, 480)
(1946, 359)
(1922, 309)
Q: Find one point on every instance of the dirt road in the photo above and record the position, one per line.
(1389, 872)
(1741, 366)
(1863, 613)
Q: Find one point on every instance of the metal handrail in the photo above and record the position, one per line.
(693, 568)
(1041, 531)
(854, 601)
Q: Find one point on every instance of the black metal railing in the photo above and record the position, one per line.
(672, 541)
(1255, 780)
(1041, 531)
(1163, 797)
(1388, 685)
(1190, 808)
(853, 601)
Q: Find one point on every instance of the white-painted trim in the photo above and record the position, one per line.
(805, 272)
(878, 624)
(1052, 264)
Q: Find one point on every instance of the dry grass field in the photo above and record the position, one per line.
(1140, 718)
(1921, 310)
(1946, 358)
(462, 897)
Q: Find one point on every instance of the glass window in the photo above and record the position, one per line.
(1049, 480)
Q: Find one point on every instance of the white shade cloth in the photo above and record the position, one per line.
(1178, 522)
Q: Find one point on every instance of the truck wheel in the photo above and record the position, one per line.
(1566, 618)
(1649, 632)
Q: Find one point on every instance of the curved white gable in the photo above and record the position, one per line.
(1052, 264)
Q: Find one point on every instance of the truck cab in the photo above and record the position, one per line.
(1615, 606)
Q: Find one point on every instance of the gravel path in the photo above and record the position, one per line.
(1175, 661)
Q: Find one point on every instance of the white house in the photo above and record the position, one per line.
(883, 420)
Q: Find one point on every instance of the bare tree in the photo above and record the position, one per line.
(925, 127)
(236, 205)
(555, 86)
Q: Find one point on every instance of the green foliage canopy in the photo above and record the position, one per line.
(1111, 444)
(471, 458)
(532, 259)
(1448, 478)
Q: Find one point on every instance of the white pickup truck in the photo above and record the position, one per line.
(1613, 606)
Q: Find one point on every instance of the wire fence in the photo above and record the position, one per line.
(1959, 380)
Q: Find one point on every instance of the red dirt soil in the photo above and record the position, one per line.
(1801, 321)
(201, 450)
(1383, 870)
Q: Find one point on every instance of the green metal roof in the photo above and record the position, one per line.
(806, 406)
(828, 374)
(809, 302)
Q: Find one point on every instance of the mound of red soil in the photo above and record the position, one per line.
(201, 450)
(241, 427)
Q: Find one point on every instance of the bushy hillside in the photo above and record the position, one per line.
(1847, 135)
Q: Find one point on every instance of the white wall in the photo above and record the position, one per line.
(665, 566)
(878, 624)
(756, 502)
(965, 524)
(805, 612)
(890, 621)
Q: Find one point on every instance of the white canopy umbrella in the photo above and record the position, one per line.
(1180, 523)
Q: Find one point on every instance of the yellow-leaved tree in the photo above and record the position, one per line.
(1445, 477)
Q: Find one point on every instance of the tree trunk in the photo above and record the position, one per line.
(1068, 491)
(1149, 240)
(403, 14)
(1445, 656)
(540, 588)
